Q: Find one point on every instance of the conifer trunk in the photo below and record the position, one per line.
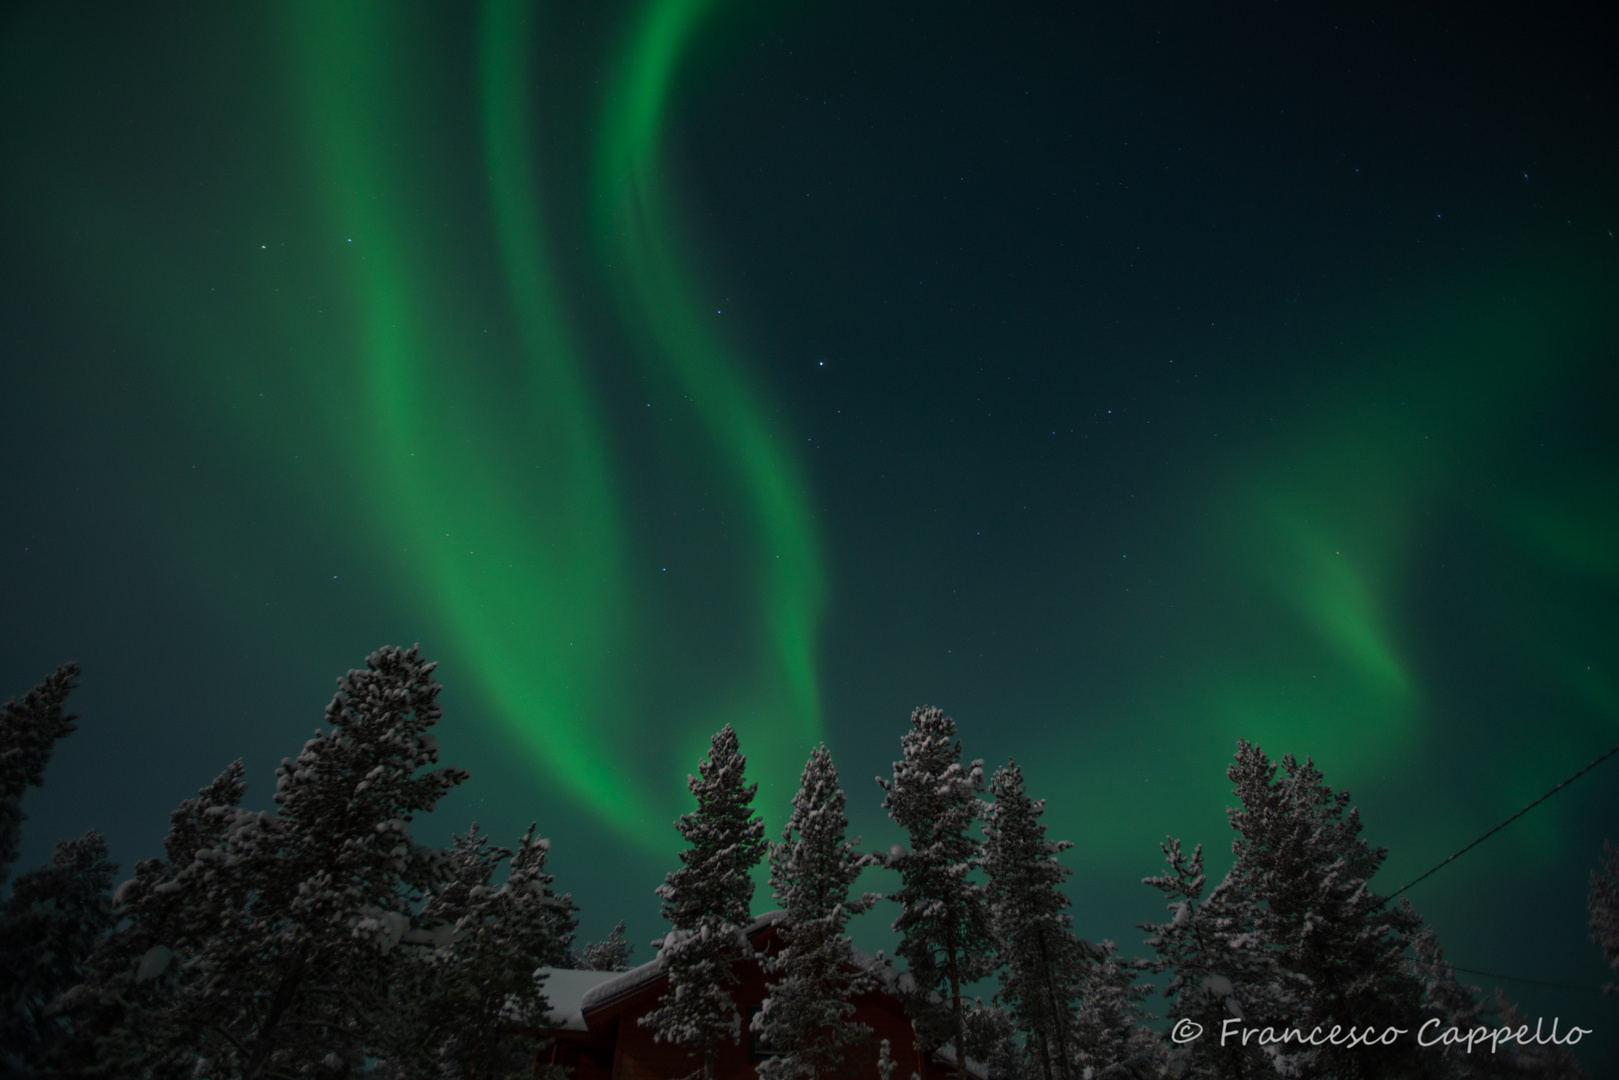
(1057, 1018)
(282, 1001)
(955, 1003)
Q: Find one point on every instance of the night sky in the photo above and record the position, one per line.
(1123, 378)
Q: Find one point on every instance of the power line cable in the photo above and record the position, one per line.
(1534, 982)
(1508, 978)
(1598, 761)
(1446, 862)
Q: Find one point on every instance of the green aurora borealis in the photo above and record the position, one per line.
(664, 364)
(498, 497)
(777, 705)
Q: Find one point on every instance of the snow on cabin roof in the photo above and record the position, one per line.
(619, 983)
(565, 990)
(947, 1054)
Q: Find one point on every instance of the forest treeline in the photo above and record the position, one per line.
(321, 940)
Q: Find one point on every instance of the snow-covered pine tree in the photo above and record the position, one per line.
(1455, 1005)
(49, 924)
(127, 1004)
(274, 944)
(1542, 1061)
(28, 732)
(469, 998)
(708, 903)
(1044, 964)
(53, 915)
(1110, 1033)
(1221, 968)
(815, 974)
(946, 938)
(610, 954)
(1604, 905)
(1300, 856)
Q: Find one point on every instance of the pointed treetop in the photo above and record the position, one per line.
(724, 765)
(815, 975)
(1046, 968)
(814, 865)
(1286, 825)
(946, 938)
(28, 732)
(726, 842)
(931, 775)
(198, 822)
(366, 765)
(708, 900)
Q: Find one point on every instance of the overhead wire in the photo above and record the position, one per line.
(1447, 861)
(1598, 760)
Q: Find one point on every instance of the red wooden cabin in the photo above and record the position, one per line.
(598, 1033)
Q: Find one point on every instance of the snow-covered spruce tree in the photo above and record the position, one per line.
(815, 975)
(468, 1001)
(49, 924)
(28, 732)
(610, 954)
(1221, 968)
(1300, 856)
(946, 938)
(274, 945)
(1110, 1033)
(708, 903)
(1044, 963)
(1604, 905)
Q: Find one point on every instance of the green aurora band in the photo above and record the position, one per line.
(524, 562)
(778, 718)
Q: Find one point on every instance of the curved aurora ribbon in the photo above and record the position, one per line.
(636, 235)
(503, 502)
